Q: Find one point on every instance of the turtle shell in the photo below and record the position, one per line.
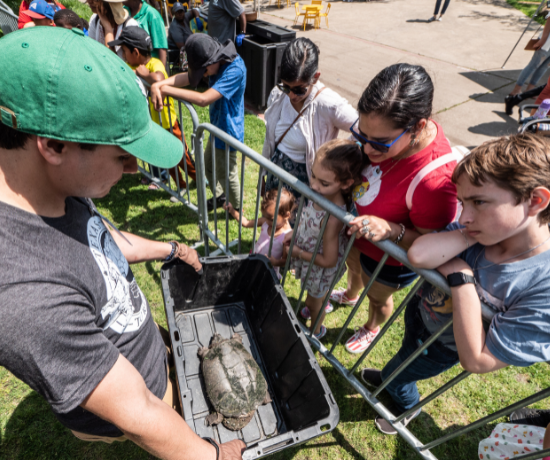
(234, 382)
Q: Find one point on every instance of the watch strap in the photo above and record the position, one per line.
(459, 278)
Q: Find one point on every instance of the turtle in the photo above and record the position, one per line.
(234, 382)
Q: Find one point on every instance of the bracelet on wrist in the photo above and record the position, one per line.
(173, 252)
(401, 235)
(211, 441)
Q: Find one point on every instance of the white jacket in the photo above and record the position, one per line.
(324, 117)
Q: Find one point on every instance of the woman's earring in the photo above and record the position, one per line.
(414, 140)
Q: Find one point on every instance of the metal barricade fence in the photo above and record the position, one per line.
(173, 187)
(390, 249)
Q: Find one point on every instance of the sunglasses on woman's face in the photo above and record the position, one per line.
(298, 90)
(378, 146)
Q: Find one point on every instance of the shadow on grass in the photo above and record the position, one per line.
(33, 432)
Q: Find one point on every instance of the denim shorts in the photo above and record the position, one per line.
(397, 277)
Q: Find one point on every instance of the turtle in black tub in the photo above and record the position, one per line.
(234, 382)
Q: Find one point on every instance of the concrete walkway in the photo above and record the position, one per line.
(463, 54)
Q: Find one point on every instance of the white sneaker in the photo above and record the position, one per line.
(361, 340)
(339, 296)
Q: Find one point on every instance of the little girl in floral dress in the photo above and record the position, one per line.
(335, 171)
(282, 226)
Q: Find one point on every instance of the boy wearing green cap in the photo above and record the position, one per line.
(75, 325)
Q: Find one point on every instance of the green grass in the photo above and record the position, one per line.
(28, 430)
(528, 10)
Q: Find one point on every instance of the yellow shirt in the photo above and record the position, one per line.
(155, 65)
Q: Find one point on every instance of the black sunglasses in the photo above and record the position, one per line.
(378, 146)
(298, 90)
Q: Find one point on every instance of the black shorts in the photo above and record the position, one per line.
(393, 276)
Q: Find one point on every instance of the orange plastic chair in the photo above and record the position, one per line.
(298, 13)
(311, 15)
(316, 2)
(325, 15)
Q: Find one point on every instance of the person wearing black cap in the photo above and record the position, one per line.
(227, 80)
(180, 30)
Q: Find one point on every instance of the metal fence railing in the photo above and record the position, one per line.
(211, 235)
(8, 20)
(172, 175)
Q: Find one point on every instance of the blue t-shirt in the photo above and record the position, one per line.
(227, 113)
(518, 292)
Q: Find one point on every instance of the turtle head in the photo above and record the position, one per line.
(216, 340)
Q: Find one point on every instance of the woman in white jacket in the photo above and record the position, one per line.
(302, 113)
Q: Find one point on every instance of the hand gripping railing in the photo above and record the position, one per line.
(175, 189)
(391, 250)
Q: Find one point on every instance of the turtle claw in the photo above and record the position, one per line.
(202, 352)
(237, 337)
(213, 419)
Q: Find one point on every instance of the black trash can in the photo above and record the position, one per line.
(262, 53)
(242, 294)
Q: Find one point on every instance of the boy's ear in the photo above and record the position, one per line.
(539, 201)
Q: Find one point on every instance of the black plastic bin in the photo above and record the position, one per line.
(262, 57)
(242, 294)
(271, 32)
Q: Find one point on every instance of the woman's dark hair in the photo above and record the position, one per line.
(300, 60)
(403, 93)
(69, 17)
(346, 160)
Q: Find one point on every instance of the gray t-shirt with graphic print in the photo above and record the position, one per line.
(519, 294)
(69, 304)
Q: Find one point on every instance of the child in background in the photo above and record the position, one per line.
(499, 253)
(335, 171)
(207, 57)
(69, 19)
(41, 14)
(136, 49)
(282, 226)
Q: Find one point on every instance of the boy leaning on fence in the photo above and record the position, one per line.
(497, 253)
(225, 97)
(136, 49)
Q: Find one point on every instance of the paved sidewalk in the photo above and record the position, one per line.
(463, 54)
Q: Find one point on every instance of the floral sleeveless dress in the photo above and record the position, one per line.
(308, 232)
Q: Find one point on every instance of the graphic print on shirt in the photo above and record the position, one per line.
(437, 301)
(365, 193)
(126, 308)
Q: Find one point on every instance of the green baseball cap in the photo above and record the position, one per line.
(62, 85)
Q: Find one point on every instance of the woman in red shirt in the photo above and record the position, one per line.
(404, 193)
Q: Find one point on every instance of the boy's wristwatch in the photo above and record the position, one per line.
(459, 278)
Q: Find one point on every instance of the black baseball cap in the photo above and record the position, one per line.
(177, 7)
(134, 36)
(202, 51)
